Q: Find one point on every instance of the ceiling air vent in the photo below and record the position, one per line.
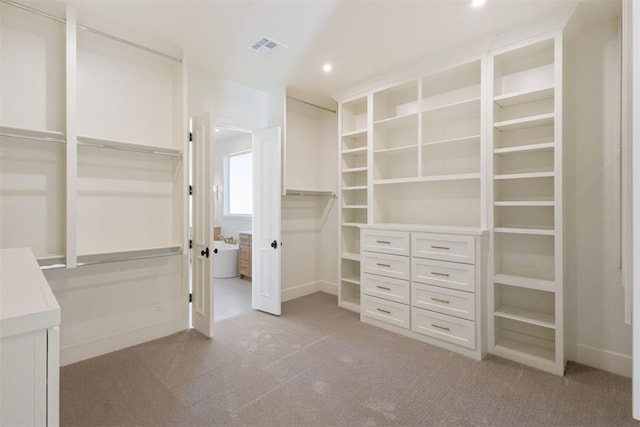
(267, 46)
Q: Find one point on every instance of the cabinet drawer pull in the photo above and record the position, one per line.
(382, 287)
(435, 273)
(446, 248)
(384, 311)
(384, 242)
(383, 265)
(440, 300)
(440, 327)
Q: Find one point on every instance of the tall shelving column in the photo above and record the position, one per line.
(353, 149)
(526, 290)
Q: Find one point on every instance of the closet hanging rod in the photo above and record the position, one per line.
(85, 260)
(131, 149)
(32, 10)
(34, 138)
(311, 104)
(127, 42)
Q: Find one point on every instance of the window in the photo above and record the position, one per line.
(239, 184)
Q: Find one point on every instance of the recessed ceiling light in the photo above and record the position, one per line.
(327, 68)
(217, 130)
(477, 3)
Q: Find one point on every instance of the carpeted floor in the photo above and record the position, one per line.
(319, 365)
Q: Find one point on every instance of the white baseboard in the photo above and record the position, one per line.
(106, 344)
(308, 289)
(617, 363)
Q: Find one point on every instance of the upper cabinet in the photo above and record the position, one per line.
(309, 149)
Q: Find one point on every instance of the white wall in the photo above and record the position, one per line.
(595, 330)
(230, 225)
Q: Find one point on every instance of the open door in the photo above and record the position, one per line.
(266, 255)
(202, 202)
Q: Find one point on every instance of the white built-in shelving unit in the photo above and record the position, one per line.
(526, 286)
(91, 144)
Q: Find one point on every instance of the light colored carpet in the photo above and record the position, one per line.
(319, 365)
(231, 297)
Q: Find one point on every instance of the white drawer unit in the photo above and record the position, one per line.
(386, 311)
(444, 300)
(386, 265)
(425, 283)
(443, 247)
(386, 287)
(458, 331)
(386, 242)
(441, 273)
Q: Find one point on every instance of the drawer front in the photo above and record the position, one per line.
(244, 239)
(386, 311)
(444, 247)
(386, 287)
(452, 329)
(386, 265)
(386, 242)
(244, 268)
(443, 300)
(244, 253)
(446, 274)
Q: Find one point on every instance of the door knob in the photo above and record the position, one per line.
(274, 244)
(205, 252)
(215, 251)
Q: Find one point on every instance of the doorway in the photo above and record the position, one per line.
(232, 221)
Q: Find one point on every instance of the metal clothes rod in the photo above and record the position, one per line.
(312, 105)
(32, 10)
(86, 260)
(135, 150)
(35, 138)
(92, 30)
(136, 45)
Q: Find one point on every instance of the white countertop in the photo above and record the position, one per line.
(475, 231)
(26, 300)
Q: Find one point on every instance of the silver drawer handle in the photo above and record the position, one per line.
(384, 242)
(435, 273)
(383, 265)
(440, 327)
(384, 311)
(446, 248)
(382, 287)
(440, 300)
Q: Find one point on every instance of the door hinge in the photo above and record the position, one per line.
(190, 244)
(191, 190)
(190, 297)
(190, 136)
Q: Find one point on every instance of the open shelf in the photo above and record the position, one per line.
(520, 123)
(524, 96)
(32, 134)
(395, 149)
(525, 175)
(526, 230)
(396, 101)
(529, 203)
(462, 139)
(452, 105)
(353, 170)
(353, 256)
(525, 148)
(315, 193)
(526, 316)
(354, 117)
(359, 150)
(354, 188)
(353, 224)
(525, 350)
(435, 178)
(351, 279)
(355, 133)
(525, 282)
(127, 146)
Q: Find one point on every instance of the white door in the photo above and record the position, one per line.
(266, 243)
(202, 202)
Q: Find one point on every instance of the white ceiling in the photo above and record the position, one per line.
(361, 38)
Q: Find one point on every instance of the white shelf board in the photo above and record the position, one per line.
(526, 230)
(354, 188)
(525, 351)
(351, 305)
(545, 146)
(394, 150)
(530, 203)
(352, 170)
(525, 282)
(454, 140)
(352, 224)
(354, 133)
(351, 279)
(434, 178)
(397, 121)
(353, 256)
(354, 206)
(530, 121)
(531, 317)
(524, 96)
(525, 175)
(452, 105)
(33, 134)
(358, 150)
(316, 193)
(128, 146)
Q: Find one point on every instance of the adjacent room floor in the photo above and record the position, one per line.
(231, 297)
(318, 364)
